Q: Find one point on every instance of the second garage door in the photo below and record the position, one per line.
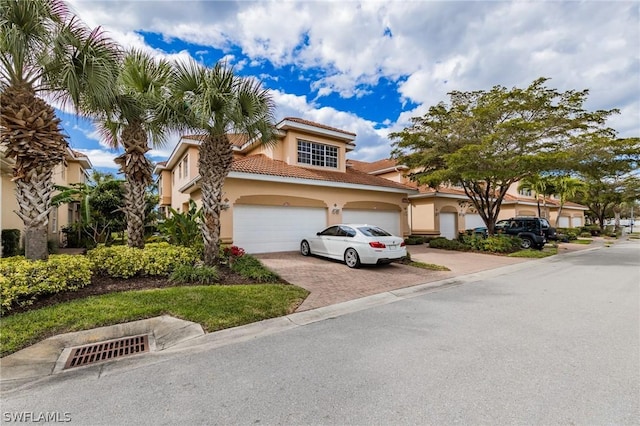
(387, 220)
(264, 229)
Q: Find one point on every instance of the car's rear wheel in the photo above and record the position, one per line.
(351, 258)
(526, 243)
(305, 250)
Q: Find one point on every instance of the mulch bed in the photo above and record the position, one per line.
(103, 285)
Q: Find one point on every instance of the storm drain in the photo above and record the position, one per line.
(105, 351)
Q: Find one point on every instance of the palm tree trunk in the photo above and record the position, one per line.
(32, 134)
(137, 170)
(34, 193)
(214, 164)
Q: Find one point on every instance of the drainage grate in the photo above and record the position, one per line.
(105, 351)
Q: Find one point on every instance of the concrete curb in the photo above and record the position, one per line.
(48, 356)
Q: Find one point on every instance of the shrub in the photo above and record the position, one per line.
(250, 267)
(492, 244)
(22, 280)
(585, 234)
(443, 243)
(198, 274)
(154, 259)
(594, 230)
(413, 240)
(10, 242)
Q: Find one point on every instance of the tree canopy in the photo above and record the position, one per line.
(485, 141)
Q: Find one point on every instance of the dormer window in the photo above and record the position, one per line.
(317, 154)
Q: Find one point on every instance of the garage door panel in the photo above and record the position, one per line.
(387, 220)
(448, 226)
(264, 229)
(564, 222)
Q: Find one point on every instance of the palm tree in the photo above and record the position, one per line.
(566, 187)
(140, 111)
(45, 51)
(218, 102)
(542, 186)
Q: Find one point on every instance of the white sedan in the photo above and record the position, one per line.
(355, 244)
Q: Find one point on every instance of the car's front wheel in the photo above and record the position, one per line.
(305, 250)
(351, 258)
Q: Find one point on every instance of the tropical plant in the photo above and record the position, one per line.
(565, 187)
(182, 228)
(542, 186)
(45, 51)
(217, 102)
(141, 111)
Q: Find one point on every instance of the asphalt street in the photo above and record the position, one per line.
(556, 341)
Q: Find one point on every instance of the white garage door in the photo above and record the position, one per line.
(473, 221)
(576, 222)
(389, 221)
(448, 226)
(264, 229)
(564, 222)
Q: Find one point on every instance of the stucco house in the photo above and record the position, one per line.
(447, 210)
(277, 194)
(76, 170)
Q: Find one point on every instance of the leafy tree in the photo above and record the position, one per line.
(485, 141)
(218, 102)
(608, 167)
(140, 112)
(45, 50)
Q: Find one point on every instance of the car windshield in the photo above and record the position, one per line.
(373, 231)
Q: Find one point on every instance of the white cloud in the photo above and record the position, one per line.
(426, 48)
(100, 158)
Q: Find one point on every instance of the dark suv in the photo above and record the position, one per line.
(532, 231)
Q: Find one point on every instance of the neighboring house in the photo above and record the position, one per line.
(447, 210)
(75, 171)
(277, 194)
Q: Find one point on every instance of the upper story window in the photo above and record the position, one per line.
(185, 166)
(525, 192)
(317, 154)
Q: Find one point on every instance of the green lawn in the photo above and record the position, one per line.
(580, 241)
(536, 254)
(430, 266)
(214, 307)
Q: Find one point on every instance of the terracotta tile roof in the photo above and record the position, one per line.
(261, 164)
(77, 154)
(161, 163)
(311, 123)
(236, 139)
(375, 166)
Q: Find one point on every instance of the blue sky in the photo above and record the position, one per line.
(368, 67)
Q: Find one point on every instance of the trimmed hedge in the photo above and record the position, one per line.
(443, 243)
(22, 280)
(154, 259)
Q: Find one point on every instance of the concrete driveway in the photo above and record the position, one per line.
(331, 282)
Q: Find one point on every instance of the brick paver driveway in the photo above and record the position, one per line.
(333, 282)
